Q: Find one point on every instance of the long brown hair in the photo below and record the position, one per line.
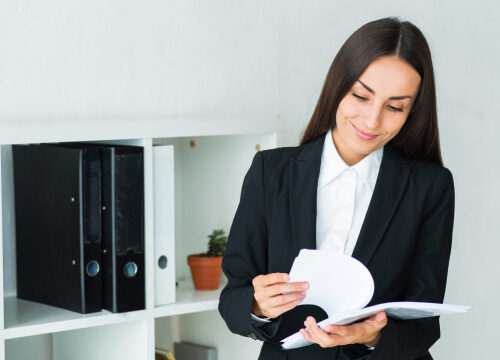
(419, 136)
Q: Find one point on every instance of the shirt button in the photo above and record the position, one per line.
(252, 335)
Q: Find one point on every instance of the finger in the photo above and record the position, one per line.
(286, 298)
(306, 335)
(320, 337)
(278, 310)
(381, 316)
(377, 320)
(341, 334)
(378, 316)
(266, 295)
(277, 289)
(270, 279)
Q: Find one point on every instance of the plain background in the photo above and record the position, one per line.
(71, 60)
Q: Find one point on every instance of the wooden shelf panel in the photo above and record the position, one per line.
(27, 318)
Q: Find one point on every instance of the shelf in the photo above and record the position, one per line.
(202, 146)
(27, 318)
(111, 128)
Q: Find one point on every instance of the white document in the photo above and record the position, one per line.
(342, 286)
(337, 282)
(164, 221)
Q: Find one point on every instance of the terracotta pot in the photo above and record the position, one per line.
(206, 271)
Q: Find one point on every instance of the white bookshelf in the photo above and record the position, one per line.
(208, 179)
(28, 318)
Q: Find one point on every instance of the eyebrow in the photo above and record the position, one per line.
(391, 98)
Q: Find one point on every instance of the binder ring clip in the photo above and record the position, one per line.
(162, 262)
(130, 269)
(92, 268)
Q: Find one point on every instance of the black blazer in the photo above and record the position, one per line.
(405, 242)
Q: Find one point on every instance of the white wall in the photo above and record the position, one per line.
(96, 59)
(68, 59)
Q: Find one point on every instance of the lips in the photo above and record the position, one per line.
(364, 135)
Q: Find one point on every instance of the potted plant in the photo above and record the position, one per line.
(206, 268)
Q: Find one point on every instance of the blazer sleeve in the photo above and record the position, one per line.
(246, 257)
(411, 339)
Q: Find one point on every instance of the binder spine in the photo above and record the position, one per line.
(91, 230)
(108, 234)
(164, 224)
(129, 228)
(123, 231)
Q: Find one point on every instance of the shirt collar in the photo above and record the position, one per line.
(332, 165)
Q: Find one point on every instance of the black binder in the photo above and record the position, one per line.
(122, 197)
(58, 226)
(123, 228)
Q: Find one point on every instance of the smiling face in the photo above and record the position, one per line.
(375, 109)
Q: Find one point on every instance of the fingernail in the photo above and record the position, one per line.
(305, 286)
(303, 293)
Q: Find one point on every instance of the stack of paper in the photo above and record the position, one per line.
(342, 286)
(337, 282)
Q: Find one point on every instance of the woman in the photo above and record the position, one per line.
(367, 180)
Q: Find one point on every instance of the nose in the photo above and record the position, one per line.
(373, 118)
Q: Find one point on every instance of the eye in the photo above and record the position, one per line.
(392, 108)
(360, 98)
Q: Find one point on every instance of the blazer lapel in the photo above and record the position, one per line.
(390, 185)
(304, 173)
(303, 181)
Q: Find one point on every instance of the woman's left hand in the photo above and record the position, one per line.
(366, 332)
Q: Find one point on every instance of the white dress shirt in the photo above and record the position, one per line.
(344, 193)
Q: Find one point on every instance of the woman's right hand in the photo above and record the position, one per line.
(274, 295)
